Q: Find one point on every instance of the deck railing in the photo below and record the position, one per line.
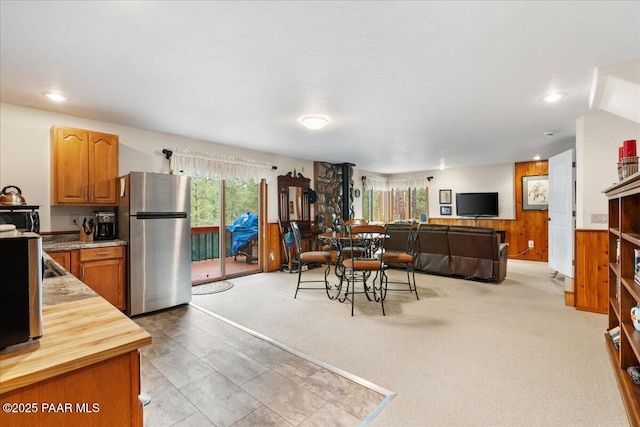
(205, 243)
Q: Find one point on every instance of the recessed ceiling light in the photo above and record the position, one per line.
(314, 121)
(54, 96)
(536, 157)
(554, 97)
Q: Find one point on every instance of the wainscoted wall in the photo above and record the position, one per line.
(528, 225)
(591, 270)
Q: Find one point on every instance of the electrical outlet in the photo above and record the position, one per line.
(272, 256)
(74, 219)
(530, 244)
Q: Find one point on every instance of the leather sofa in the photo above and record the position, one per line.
(432, 250)
(468, 252)
(477, 253)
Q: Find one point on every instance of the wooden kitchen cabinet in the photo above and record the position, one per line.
(103, 270)
(84, 371)
(62, 258)
(84, 167)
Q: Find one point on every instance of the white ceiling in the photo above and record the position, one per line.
(408, 85)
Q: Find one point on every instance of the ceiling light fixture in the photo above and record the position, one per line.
(554, 97)
(54, 96)
(536, 157)
(314, 121)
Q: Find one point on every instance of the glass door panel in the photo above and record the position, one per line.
(205, 230)
(241, 207)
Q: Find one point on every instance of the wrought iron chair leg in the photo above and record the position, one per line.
(299, 278)
(353, 293)
(383, 283)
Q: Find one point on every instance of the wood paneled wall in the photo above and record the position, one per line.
(528, 225)
(592, 270)
(273, 251)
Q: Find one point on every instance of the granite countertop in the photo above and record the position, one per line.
(56, 290)
(69, 245)
(61, 289)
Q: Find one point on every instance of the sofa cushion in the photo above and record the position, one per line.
(432, 249)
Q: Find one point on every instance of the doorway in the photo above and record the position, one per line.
(224, 228)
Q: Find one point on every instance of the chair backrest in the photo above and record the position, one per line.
(401, 238)
(296, 236)
(355, 221)
(370, 237)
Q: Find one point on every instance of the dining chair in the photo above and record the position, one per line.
(399, 252)
(352, 250)
(310, 257)
(359, 267)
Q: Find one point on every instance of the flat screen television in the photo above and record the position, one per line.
(477, 204)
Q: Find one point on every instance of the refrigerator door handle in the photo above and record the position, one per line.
(159, 215)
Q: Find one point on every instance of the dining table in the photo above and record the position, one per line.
(364, 244)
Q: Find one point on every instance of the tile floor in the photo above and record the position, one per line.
(203, 371)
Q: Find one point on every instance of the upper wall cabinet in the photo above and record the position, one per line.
(84, 167)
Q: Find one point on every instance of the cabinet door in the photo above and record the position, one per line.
(70, 170)
(62, 258)
(106, 277)
(103, 168)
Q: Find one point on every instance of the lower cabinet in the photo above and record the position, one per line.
(62, 258)
(102, 394)
(102, 269)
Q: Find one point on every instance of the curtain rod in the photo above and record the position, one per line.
(168, 153)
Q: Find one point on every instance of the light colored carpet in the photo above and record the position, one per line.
(467, 353)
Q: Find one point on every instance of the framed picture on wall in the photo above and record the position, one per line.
(445, 210)
(445, 197)
(535, 193)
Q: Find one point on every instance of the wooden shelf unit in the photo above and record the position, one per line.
(624, 293)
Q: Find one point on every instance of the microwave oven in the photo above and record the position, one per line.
(25, 218)
(20, 288)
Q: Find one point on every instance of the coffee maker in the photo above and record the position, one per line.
(105, 226)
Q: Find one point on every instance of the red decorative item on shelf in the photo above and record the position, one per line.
(620, 155)
(629, 148)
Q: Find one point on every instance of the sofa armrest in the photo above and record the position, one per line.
(503, 250)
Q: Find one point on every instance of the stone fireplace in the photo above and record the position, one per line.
(334, 188)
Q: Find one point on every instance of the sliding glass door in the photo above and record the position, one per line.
(224, 229)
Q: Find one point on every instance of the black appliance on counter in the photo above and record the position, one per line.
(21, 287)
(24, 217)
(105, 226)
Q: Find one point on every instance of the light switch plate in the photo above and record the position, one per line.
(599, 218)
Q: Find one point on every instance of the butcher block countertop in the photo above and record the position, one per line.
(76, 334)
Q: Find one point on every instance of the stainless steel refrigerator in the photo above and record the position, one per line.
(154, 217)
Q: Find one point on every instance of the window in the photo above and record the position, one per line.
(410, 203)
(373, 205)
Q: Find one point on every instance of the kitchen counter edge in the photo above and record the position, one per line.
(79, 244)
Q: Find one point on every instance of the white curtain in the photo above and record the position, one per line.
(199, 164)
(379, 183)
(376, 183)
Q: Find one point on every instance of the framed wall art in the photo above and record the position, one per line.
(535, 193)
(445, 197)
(445, 210)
